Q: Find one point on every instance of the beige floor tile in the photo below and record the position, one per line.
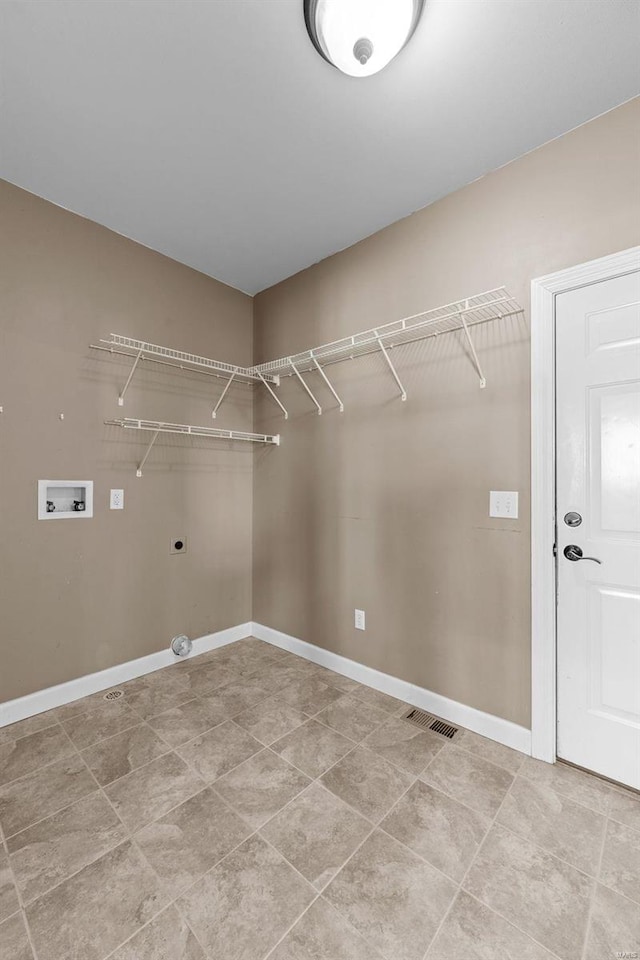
(352, 718)
(245, 904)
(14, 942)
(391, 897)
(572, 783)
(164, 679)
(620, 868)
(486, 749)
(190, 839)
(322, 934)
(440, 829)
(9, 902)
(405, 745)
(21, 757)
(275, 677)
(539, 894)
(472, 931)
(379, 700)
(367, 782)
(113, 758)
(167, 937)
(105, 721)
(310, 695)
(261, 786)
(149, 701)
(23, 728)
(467, 778)
(182, 723)
(97, 909)
(313, 748)
(564, 828)
(234, 697)
(50, 851)
(150, 791)
(210, 677)
(85, 705)
(219, 750)
(42, 793)
(316, 833)
(614, 929)
(271, 719)
(625, 808)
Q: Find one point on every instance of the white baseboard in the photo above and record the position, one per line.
(50, 697)
(486, 724)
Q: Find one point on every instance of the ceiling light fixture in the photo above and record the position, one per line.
(360, 37)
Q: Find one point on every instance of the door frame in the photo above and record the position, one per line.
(544, 291)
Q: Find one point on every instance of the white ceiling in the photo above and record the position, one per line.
(213, 132)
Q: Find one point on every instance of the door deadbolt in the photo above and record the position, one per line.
(572, 519)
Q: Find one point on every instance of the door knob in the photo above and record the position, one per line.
(573, 552)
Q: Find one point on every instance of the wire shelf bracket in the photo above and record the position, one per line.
(184, 429)
(403, 392)
(214, 412)
(273, 393)
(305, 385)
(328, 383)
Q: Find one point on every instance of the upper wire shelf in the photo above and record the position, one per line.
(492, 305)
(462, 315)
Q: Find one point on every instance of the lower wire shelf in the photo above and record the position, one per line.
(185, 429)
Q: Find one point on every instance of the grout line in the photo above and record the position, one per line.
(467, 871)
(592, 898)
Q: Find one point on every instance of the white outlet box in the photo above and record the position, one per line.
(359, 620)
(503, 503)
(116, 500)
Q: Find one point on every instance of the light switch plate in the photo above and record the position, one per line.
(359, 619)
(116, 500)
(503, 503)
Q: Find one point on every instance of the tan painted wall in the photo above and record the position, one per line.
(385, 507)
(80, 595)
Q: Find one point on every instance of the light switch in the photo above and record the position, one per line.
(503, 503)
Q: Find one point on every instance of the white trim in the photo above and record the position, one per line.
(486, 724)
(544, 290)
(50, 697)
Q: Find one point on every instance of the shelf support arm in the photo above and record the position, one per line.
(273, 394)
(224, 393)
(403, 392)
(129, 378)
(328, 383)
(305, 385)
(476, 361)
(148, 451)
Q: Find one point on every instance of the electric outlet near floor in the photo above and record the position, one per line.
(359, 619)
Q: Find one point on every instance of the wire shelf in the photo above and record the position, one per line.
(185, 429)
(482, 308)
(142, 350)
(462, 315)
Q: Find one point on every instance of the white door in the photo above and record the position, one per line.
(598, 490)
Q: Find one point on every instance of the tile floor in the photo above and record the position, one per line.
(248, 804)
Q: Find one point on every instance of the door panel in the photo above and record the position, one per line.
(598, 475)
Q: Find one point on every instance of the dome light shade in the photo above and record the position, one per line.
(360, 37)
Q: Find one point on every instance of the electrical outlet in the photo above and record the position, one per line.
(116, 501)
(178, 545)
(359, 620)
(503, 503)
